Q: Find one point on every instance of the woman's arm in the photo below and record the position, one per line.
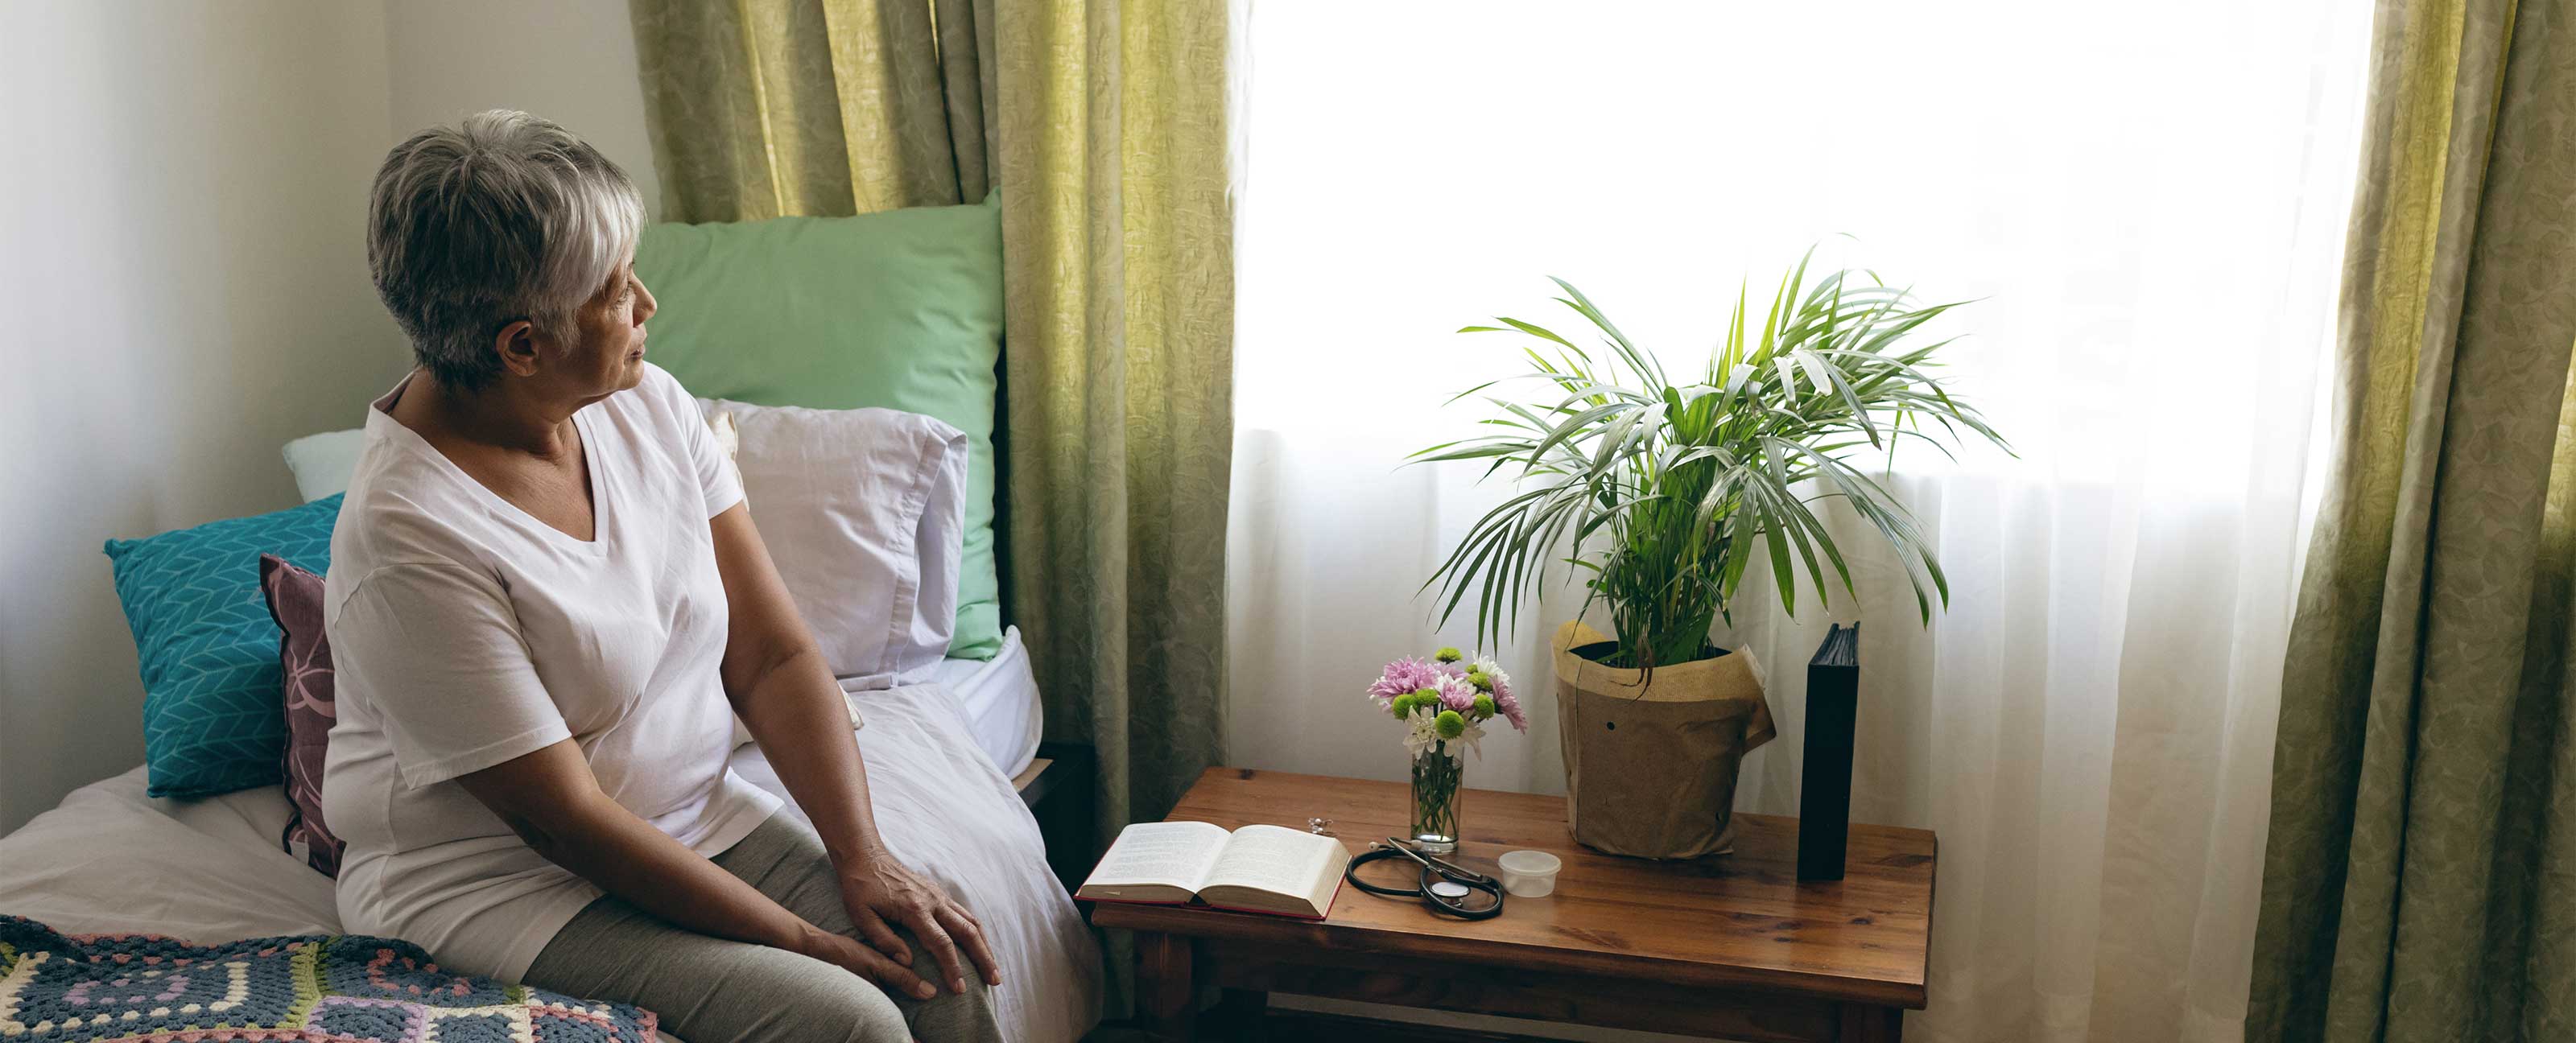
(551, 799)
(776, 678)
(437, 649)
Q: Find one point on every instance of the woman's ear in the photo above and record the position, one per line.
(517, 346)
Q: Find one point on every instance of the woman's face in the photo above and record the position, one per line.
(610, 351)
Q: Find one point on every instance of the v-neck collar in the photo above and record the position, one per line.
(380, 420)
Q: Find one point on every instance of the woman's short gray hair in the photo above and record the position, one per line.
(503, 217)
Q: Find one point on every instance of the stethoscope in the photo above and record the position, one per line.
(1446, 889)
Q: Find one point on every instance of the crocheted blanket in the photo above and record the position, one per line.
(311, 988)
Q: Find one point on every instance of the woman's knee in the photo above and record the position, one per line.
(862, 1013)
(952, 1017)
(827, 1003)
(750, 994)
(879, 1022)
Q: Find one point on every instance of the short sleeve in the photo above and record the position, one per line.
(717, 478)
(434, 651)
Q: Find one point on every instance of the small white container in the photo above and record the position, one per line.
(1529, 874)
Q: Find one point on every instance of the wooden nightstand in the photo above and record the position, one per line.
(1731, 946)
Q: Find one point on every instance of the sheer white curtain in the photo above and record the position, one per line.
(2149, 200)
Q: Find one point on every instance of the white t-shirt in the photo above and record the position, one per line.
(465, 632)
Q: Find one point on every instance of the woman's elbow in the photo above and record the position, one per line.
(555, 827)
(548, 798)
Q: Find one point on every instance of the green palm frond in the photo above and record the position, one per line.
(1690, 484)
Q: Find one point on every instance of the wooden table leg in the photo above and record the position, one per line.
(1868, 1023)
(1165, 995)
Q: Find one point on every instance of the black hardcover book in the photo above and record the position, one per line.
(1824, 787)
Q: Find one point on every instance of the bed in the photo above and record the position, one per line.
(943, 754)
(1000, 699)
(110, 859)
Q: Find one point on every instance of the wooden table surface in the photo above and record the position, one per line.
(1738, 922)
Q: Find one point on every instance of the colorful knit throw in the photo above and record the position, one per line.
(110, 988)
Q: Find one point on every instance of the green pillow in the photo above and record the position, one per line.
(900, 309)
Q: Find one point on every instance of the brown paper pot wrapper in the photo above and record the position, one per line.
(1650, 770)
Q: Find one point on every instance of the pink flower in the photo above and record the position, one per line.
(1508, 706)
(1402, 676)
(1501, 686)
(1456, 693)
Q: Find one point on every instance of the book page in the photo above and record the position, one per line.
(1171, 854)
(1328, 880)
(1276, 859)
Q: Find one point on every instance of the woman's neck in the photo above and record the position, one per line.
(496, 417)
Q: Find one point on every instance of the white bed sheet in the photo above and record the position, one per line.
(1000, 697)
(111, 860)
(948, 810)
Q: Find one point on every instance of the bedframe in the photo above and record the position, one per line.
(111, 860)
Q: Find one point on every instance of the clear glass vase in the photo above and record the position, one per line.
(1436, 794)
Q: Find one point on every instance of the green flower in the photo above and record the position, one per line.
(1484, 706)
(1451, 725)
(1483, 681)
(1449, 654)
(1426, 697)
(1402, 705)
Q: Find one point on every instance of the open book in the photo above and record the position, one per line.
(1256, 869)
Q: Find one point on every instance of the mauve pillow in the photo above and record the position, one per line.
(295, 601)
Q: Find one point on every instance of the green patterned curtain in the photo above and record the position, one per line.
(1120, 376)
(765, 108)
(1104, 123)
(2420, 878)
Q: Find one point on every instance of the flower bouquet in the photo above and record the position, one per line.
(1444, 704)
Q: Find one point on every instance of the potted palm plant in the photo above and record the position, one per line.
(1665, 489)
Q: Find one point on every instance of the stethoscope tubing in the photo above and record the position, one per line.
(1430, 875)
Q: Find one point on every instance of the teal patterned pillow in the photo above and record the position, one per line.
(214, 719)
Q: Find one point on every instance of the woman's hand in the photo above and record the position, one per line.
(849, 955)
(880, 891)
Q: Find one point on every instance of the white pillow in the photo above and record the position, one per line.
(323, 463)
(864, 510)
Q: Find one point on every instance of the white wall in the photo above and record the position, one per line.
(183, 285)
(182, 190)
(570, 61)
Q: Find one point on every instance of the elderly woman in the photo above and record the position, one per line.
(546, 596)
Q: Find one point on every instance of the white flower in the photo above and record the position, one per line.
(1487, 666)
(1422, 730)
(1422, 734)
(1474, 732)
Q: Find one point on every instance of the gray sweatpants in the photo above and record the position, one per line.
(709, 990)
